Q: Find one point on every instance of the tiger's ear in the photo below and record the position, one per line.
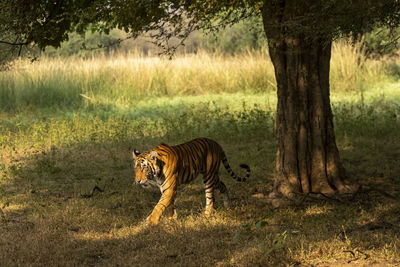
(135, 153)
(153, 155)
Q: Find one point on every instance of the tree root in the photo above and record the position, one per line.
(366, 189)
(92, 192)
(353, 253)
(3, 217)
(277, 200)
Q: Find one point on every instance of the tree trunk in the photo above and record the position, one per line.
(307, 158)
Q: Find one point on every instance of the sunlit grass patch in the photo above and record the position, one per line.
(315, 210)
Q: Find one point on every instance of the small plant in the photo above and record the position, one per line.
(270, 245)
(277, 243)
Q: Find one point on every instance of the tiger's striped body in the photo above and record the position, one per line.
(170, 166)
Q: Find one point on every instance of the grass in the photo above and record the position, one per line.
(121, 81)
(67, 126)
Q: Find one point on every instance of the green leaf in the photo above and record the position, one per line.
(247, 225)
(261, 224)
(237, 235)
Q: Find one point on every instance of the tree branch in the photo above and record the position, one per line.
(14, 44)
(92, 192)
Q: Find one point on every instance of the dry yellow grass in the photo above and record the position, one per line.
(122, 80)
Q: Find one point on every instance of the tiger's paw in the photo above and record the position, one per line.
(152, 220)
(208, 212)
(171, 214)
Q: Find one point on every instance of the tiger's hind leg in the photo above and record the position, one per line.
(170, 212)
(209, 184)
(225, 194)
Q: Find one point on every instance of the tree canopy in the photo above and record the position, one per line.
(47, 23)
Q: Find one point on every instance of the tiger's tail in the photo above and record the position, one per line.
(232, 174)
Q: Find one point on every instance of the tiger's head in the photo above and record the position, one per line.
(146, 167)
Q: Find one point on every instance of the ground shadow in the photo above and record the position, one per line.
(48, 220)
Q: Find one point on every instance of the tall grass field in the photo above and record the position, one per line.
(68, 125)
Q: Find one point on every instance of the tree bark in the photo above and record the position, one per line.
(307, 158)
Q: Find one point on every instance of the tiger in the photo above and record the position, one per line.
(170, 166)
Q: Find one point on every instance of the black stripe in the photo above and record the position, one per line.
(166, 189)
(210, 185)
(208, 179)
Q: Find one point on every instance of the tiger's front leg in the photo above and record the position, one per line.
(168, 190)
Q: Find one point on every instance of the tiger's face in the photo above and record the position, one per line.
(146, 169)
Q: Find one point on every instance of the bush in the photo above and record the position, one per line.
(381, 41)
(87, 44)
(241, 37)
